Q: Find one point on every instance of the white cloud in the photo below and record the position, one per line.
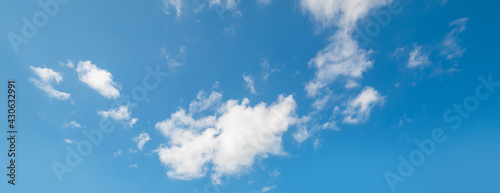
(301, 135)
(118, 153)
(69, 64)
(203, 103)
(249, 83)
(122, 113)
(133, 166)
(268, 188)
(46, 77)
(132, 122)
(417, 58)
(228, 141)
(97, 79)
(175, 4)
(450, 47)
(173, 62)
(275, 173)
(72, 124)
(69, 141)
(142, 139)
(341, 58)
(341, 13)
(358, 109)
(226, 4)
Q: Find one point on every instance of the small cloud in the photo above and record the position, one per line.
(417, 58)
(317, 144)
(118, 153)
(450, 46)
(133, 166)
(130, 150)
(132, 122)
(73, 124)
(174, 4)
(249, 83)
(142, 139)
(69, 141)
(182, 49)
(46, 77)
(268, 188)
(398, 51)
(358, 109)
(122, 114)
(203, 102)
(275, 173)
(98, 79)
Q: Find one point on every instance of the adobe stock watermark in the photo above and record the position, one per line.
(94, 137)
(49, 9)
(426, 147)
(373, 27)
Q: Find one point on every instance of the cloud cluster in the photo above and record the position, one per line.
(342, 60)
(227, 142)
(44, 80)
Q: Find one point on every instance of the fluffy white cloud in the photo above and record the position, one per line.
(97, 79)
(450, 47)
(249, 81)
(119, 114)
(72, 124)
(142, 139)
(203, 103)
(132, 122)
(358, 109)
(122, 113)
(229, 141)
(44, 80)
(417, 58)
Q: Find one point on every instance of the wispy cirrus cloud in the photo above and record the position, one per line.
(450, 46)
(45, 78)
(418, 58)
(249, 83)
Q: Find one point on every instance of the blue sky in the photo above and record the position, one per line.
(253, 96)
